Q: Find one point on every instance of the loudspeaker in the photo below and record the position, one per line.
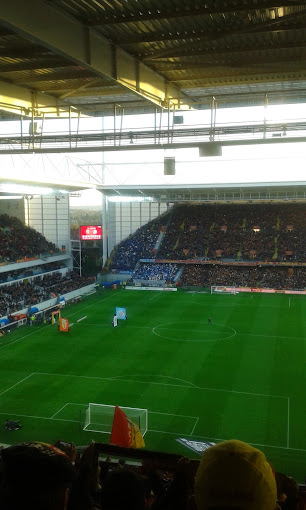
(34, 128)
(178, 119)
(169, 166)
(210, 149)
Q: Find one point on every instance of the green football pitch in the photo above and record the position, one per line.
(243, 376)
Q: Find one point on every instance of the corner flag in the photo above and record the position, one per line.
(125, 432)
(64, 324)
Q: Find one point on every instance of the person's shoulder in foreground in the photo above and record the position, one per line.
(36, 475)
(234, 475)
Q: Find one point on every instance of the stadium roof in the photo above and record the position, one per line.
(211, 193)
(95, 56)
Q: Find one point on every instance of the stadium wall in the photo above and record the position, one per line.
(13, 208)
(49, 215)
(124, 218)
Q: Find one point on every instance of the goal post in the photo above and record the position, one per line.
(99, 418)
(222, 289)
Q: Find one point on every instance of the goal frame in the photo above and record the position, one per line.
(131, 412)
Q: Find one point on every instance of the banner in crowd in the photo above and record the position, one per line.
(121, 313)
(125, 432)
(195, 446)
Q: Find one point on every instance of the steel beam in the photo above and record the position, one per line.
(154, 14)
(22, 101)
(160, 146)
(213, 35)
(34, 65)
(55, 76)
(202, 50)
(238, 79)
(54, 30)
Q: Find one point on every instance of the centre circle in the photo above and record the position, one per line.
(193, 331)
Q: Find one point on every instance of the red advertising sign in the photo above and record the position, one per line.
(91, 233)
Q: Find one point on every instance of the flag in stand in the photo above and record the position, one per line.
(125, 432)
(121, 312)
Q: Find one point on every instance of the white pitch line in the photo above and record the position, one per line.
(82, 318)
(182, 434)
(59, 411)
(75, 404)
(92, 304)
(162, 384)
(163, 376)
(22, 337)
(163, 326)
(170, 414)
(193, 428)
(273, 336)
(156, 295)
(288, 422)
(190, 330)
(38, 417)
(222, 439)
(19, 382)
(108, 325)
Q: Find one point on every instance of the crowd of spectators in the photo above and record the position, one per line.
(263, 232)
(18, 296)
(18, 241)
(230, 474)
(21, 274)
(56, 284)
(276, 277)
(139, 245)
(156, 272)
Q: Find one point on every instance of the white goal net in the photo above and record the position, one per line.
(99, 418)
(218, 289)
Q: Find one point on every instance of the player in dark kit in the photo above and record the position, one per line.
(209, 320)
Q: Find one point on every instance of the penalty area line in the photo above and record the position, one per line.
(205, 438)
(16, 384)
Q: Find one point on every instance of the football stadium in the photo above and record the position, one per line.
(152, 255)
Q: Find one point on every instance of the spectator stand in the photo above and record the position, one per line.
(20, 243)
(155, 274)
(74, 287)
(142, 244)
(248, 232)
(241, 275)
